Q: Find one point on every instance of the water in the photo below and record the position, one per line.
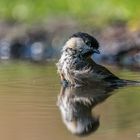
(30, 107)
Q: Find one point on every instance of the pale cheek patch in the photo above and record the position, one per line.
(71, 43)
(80, 43)
(75, 42)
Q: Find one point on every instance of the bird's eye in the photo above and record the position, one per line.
(88, 43)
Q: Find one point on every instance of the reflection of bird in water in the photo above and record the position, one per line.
(76, 106)
(76, 66)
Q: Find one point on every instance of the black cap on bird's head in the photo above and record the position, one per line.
(88, 40)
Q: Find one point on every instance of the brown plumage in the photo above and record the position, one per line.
(76, 67)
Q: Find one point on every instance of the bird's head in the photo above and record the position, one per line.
(83, 43)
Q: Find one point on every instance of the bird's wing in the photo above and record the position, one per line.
(94, 72)
(104, 73)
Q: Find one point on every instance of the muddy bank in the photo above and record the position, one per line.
(120, 45)
(40, 42)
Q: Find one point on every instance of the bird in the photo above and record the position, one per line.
(76, 67)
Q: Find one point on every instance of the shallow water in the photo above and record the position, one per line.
(29, 111)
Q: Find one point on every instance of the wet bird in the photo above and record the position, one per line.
(77, 68)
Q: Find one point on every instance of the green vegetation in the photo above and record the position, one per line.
(91, 11)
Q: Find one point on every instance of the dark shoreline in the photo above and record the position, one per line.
(118, 43)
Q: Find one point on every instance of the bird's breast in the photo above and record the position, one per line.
(66, 66)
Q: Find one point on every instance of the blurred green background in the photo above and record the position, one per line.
(97, 12)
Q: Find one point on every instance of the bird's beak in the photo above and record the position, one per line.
(96, 51)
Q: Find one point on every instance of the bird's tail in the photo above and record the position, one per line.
(121, 83)
(130, 82)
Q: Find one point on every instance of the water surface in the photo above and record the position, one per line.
(28, 110)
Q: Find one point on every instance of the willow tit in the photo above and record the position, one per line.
(76, 67)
